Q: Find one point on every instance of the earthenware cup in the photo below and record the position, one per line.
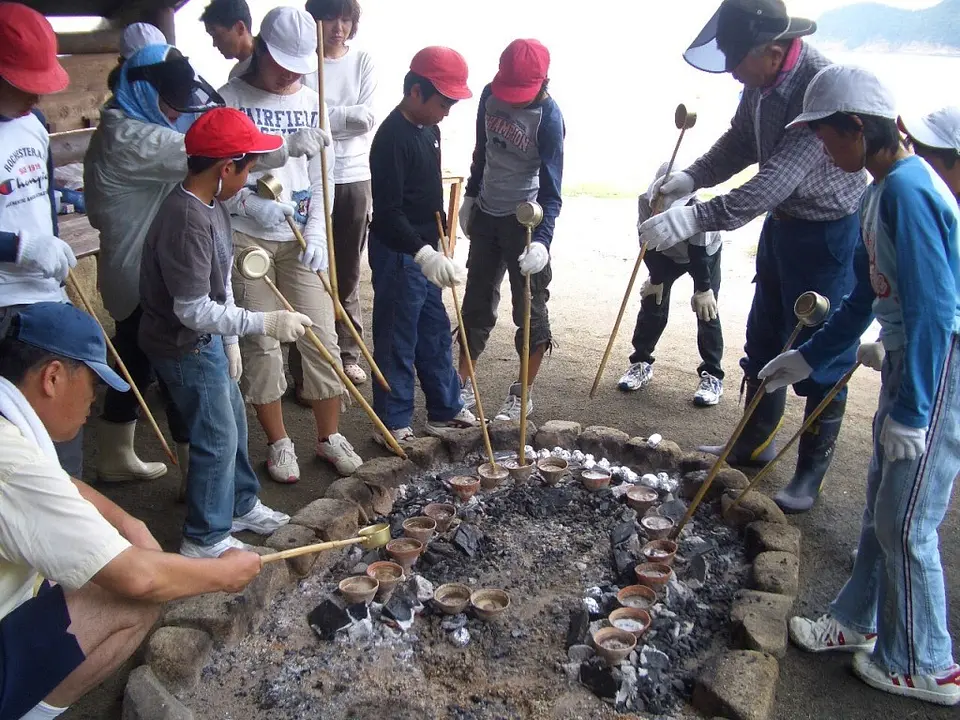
(660, 551)
(442, 514)
(452, 598)
(657, 527)
(388, 574)
(464, 486)
(420, 528)
(405, 551)
(641, 498)
(595, 479)
(654, 575)
(613, 645)
(639, 597)
(520, 473)
(359, 589)
(633, 620)
(489, 603)
(552, 469)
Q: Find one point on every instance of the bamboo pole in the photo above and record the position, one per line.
(525, 361)
(327, 210)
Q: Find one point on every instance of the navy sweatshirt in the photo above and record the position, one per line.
(407, 184)
(518, 157)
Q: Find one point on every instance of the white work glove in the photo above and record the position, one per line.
(871, 355)
(437, 267)
(648, 289)
(901, 442)
(535, 259)
(670, 227)
(308, 141)
(704, 304)
(266, 213)
(464, 215)
(47, 253)
(315, 256)
(785, 369)
(672, 187)
(285, 326)
(234, 361)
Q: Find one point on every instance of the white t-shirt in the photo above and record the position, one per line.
(240, 68)
(25, 207)
(349, 84)
(301, 179)
(46, 528)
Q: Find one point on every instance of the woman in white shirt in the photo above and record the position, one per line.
(272, 95)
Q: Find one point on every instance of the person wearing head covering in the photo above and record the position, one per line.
(893, 609)
(698, 256)
(134, 37)
(936, 138)
(272, 95)
(518, 157)
(811, 225)
(411, 330)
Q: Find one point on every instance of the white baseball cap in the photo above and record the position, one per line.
(139, 35)
(845, 89)
(939, 129)
(290, 35)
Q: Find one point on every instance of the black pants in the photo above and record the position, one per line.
(121, 407)
(652, 318)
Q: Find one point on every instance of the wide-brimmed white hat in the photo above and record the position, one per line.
(290, 35)
(939, 129)
(845, 89)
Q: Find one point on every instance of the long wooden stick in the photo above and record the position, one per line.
(656, 207)
(122, 368)
(341, 312)
(841, 383)
(327, 210)
(466, 350)
(347, 383)
(310, 549)
(711, 476)
(525, 361)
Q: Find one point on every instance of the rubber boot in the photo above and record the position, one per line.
(183, 465)
(117, 460)
(755, 447)
(813, 457)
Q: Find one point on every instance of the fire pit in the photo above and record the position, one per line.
(537, 610)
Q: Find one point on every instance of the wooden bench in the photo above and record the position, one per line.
(75, 230)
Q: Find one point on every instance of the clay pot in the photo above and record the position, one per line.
(657, 527)
(464, 486)
(359, 589)
(595, 479)
(654, 575)
(660, 551)
(492, 475)
(442, 514)
(633, 620)
(614, 645)
(552, 469)
(405, 551)
(420, 528)
(452, 598)
(639, 597)
(642, 498)
(388, 574)
(489, 603)
(520, 473)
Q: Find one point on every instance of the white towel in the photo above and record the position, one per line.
(15, 408)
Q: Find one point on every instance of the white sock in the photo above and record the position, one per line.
(42, 711)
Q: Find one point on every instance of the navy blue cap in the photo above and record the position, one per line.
(62, 329)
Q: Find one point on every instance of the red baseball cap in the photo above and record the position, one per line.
(228, 133)
(445, 68)
(523, 70)
(28, 51)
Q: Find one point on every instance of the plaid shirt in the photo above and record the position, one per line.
(795, 176)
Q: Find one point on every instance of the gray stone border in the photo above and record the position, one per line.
(739, 684)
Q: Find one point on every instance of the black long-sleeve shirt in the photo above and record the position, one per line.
(407, 184)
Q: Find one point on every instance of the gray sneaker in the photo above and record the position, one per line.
(636, 377)
(510, 410)
(708, 391)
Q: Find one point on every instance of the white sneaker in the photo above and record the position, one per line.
(463, 419)
(709, 391)
(510, 410)
(190, 549)
(942, 689)
(468, 398)
(338, 451)
(827, 635)
(355, 373)
(282, 462)
(636, 377)
(260, 519)
(401, 435)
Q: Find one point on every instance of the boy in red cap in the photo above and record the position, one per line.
(189, 317)
(410, 325)
(518, 157)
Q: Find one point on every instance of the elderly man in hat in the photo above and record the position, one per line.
(811, 226)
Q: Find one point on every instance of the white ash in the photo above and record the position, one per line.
(591, 606)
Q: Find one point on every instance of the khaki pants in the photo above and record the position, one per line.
(263, 380)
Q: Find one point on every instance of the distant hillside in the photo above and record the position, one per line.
(874, 24)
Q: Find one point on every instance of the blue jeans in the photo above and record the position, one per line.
(221, 483)
(411, 330)
(896, 588)
(795, 256)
